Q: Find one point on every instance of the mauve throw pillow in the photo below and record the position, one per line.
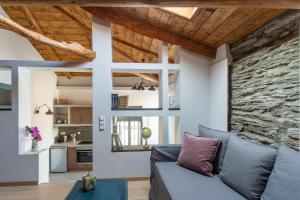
(197, 153)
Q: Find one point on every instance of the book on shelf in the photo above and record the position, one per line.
(114, 100)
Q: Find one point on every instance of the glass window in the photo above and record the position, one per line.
(5, 88)
(174, 130)
(135, 133)
(174, 90)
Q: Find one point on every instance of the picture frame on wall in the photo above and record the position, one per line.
(5, 88)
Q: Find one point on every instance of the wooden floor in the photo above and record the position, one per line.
(137, 190)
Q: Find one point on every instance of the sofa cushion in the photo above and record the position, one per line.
(182, 183)
(284, 182)
(247, 167)
(197, 153)
(223, 137)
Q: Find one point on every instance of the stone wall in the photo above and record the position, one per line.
(264, 102)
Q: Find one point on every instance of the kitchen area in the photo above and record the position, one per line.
(62, 104)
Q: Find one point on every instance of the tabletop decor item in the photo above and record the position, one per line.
(146, 134)
(36, 137)
(88, 182)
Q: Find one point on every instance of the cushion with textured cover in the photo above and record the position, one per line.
(197, 153)
(284, 182)
(247, 167)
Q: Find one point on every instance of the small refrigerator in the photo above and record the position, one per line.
(58, 159)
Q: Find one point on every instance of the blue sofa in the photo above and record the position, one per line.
(243, 170)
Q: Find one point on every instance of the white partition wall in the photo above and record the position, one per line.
(193, 86)
(218, 89)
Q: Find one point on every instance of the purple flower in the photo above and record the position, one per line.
(35, 133)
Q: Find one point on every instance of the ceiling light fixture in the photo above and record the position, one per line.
(141, 86)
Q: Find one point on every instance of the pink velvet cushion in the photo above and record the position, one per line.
(197, 153)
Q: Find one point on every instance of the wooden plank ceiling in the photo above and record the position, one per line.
(129, 46)
(213, 26)
(208, 26)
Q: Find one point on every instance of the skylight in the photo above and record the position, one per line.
(186, 12)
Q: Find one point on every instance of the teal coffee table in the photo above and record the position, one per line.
(106, 189)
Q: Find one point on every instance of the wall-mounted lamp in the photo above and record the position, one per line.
(37, 109)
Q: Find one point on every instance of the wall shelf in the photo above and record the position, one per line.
(134, 109)
(74, 88)
(71, 106)
(73, 115)
(174, 108)
(71, 125)
(131, 149)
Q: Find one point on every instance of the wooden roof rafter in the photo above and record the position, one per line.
(75, 48)
(274, 4)
(123, 18)
(70, 75)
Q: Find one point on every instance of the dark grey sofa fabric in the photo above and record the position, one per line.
(179, 183)
(284, 182)
(247, 167)
(163, 153)
(223, 137)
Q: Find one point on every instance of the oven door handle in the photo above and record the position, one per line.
(84, 151)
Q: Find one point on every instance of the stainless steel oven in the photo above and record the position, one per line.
(84, 155)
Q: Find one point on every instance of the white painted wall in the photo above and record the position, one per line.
(5, 75)
(43, 91)
(82, 97)
(75, 95)
(15, 167)
(218, 89)
(24, 109)
(16, 47)
(218, 96)
(43, 167)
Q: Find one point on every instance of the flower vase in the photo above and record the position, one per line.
(35, 146)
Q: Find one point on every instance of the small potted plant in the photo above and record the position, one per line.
(36, 137)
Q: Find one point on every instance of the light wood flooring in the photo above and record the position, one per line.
(137, 190)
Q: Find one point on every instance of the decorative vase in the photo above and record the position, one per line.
(35, 145)
(146, 134)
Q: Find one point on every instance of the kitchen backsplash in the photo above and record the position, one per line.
(85, 132)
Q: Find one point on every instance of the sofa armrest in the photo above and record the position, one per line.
(163, 153)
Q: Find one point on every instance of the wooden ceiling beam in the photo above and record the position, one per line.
(74, 74)
(275, 4)
(147, 77)
(52, 53)
(75, 48)
(135, 46)
(120, 17)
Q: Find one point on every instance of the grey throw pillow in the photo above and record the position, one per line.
(284, 182)
(223, 137)
(247, 167)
